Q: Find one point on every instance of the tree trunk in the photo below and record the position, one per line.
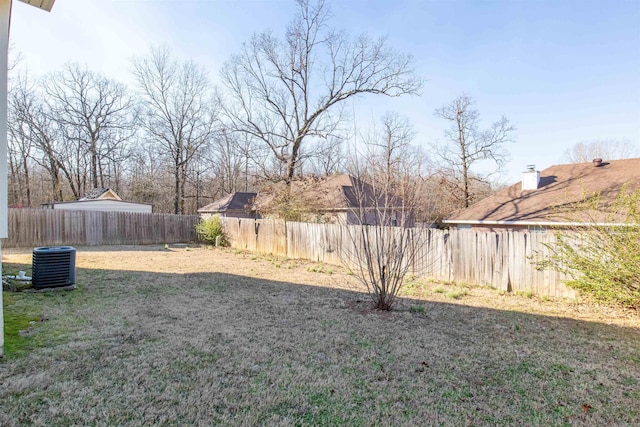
(176, 196)
(293, 160)
(183, 183)
(101, 172)
(14, 181)
(465, 174)
(94, 165)
(27, 182)
(463, 150)
(57, 188)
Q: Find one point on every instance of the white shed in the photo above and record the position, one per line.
(102, 199)
(103, 205)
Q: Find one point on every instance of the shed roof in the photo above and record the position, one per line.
(100, 193)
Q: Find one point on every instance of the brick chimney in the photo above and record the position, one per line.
(530, 178)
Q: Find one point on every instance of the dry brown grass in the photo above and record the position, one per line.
(210, 337)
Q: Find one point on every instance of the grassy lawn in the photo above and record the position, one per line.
(210, 337)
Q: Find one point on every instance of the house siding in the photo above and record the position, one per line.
(104, 205)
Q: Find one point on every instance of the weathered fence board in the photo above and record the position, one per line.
(503, 260)
(45, 227)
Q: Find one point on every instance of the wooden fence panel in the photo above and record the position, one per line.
(232, 231)
(503, 260)
(297, 241)
(47, 227)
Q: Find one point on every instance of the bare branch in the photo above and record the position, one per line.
(467, 144)
(179, 113)
(285, 92)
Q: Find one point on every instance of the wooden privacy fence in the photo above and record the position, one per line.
(44, 227)
(502, 260)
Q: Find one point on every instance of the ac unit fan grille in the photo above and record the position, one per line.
(53, 266)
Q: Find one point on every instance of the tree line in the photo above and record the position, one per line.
(278, 112)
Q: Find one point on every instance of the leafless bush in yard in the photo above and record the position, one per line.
(387, 195)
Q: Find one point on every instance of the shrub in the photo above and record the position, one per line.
(209, 229)
(603, 259)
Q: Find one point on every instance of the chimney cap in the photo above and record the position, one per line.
(531, 168)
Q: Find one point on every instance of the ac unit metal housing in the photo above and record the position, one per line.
(54, 266)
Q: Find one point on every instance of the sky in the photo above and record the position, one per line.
(562, 72)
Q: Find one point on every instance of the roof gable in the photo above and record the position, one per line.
(102, 194)
(233, 201)
(561, 186)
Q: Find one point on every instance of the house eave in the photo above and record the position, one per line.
(46, 5)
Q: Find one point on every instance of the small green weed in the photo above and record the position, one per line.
(439, 290)
(456, 294)
(319, 269)
(420, 309)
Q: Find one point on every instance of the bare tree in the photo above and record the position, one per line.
(229, 160)
(179, 112)
(20, 145)
(606, 149)
(285, 92)
(387, 189)
(93, 111)
(144, 175)
(30, 123)
(467, 144)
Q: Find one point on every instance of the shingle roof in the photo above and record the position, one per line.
(233, 201)
(335, 192)
(94, 194)
(560, 187)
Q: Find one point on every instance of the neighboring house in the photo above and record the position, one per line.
(547, 199)
(340, 199)
(238, 205)
(101, 199)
